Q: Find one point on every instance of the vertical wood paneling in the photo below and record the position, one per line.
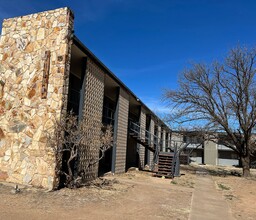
(122, 127)
(143, 127)
(152, 128)
(93, 107)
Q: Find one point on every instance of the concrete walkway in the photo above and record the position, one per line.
(207, 202)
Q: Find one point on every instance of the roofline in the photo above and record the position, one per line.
(90, 54)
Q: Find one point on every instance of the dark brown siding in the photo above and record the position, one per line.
(152, 127)
(122, 126)
(143, 127)
(93, 107)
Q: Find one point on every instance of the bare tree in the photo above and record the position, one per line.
(70, 136)
(221, 99)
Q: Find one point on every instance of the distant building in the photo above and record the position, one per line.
(45, 71)
(207, 152)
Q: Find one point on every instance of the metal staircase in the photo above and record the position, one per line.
(146, 139)
(165, 164)
(142, 136)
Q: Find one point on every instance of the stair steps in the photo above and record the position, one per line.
(165, 162)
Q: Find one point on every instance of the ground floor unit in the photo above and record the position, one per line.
(219, 155)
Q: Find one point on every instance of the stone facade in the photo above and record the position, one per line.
(34, 69)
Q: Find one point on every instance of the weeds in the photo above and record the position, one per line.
(174, 182)
(223, 187)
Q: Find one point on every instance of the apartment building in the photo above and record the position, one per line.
(205, 152)
(46, 71)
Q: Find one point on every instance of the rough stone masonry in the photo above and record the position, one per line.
(35, 53)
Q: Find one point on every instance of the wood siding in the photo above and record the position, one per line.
(93, 107)
(152, 128)
(141, 147)
(122, 126)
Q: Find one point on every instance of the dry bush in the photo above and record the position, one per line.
(70, 137)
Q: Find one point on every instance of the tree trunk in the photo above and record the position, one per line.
(246, 165)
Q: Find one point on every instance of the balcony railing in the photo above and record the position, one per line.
(108, 117)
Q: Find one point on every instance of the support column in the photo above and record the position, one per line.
(164, 141)
(159, 141)
(143, 136)
(82, 90)
(92, 112)
(35, 67)
(120, 133)
(210, 153)
(151, 130)
(169, 141)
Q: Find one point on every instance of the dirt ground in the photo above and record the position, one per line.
(240, 193)
(134, 195)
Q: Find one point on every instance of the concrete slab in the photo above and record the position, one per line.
(207, 202)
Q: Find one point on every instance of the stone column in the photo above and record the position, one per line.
(210, 153)
(121, 127)
(35, 54)
(143, 128)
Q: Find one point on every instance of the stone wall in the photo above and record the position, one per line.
(34, 69)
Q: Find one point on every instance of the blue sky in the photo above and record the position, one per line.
(146, 43)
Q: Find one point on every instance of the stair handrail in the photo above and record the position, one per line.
(154, 141)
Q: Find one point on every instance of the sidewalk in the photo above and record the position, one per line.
(207, 202)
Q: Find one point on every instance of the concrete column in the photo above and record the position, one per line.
(120, 130)
(164, 141)
(143, 128)
(210, 153)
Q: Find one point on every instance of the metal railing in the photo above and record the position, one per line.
(144, 134)
(108, 116)
(146, 137)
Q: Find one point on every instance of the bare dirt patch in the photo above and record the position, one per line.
(239, 192)
(134, 195)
